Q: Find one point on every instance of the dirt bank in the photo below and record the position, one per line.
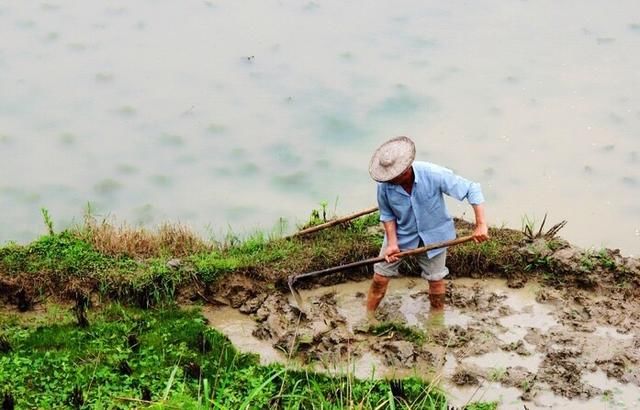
(590, 299)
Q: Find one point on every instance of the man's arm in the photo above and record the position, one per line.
(481, 231)
(388, 219)
(461, 188)
(390, 229)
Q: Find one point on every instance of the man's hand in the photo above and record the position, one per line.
(390, 251)
(481, 232)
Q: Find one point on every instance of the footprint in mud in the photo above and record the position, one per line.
(389, 310)
(475, 298)
(465, 377)
(401, 353)
(452, 337)
(562, 370)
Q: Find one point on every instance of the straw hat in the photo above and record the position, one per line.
(392, 158)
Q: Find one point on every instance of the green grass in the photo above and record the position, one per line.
(496, 255)
(408, 333)
(182, 362)
(605, 260)
(61, 253)
(496, 374)
(481, 406)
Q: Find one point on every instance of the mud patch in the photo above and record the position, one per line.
(533, 346)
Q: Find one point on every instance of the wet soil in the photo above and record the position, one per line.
(529, 322)
(535, 346)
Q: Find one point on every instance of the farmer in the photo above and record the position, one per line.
(413, 213)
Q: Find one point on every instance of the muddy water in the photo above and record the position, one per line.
(265, 108)
(239, 328)
(499, 343)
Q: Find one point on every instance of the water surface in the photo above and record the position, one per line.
(230, 115)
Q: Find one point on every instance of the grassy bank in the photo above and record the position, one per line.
(144, 267)
(133, 351)
(168, 358)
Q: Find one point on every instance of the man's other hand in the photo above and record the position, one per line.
(481, 233)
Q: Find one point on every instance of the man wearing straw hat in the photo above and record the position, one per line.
(413, 213)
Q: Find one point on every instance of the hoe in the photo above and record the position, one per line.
(294, 278)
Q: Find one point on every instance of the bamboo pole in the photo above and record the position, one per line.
(333, 222)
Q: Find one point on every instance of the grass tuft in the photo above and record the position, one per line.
(409, 333)
(174, 240)
(62, 253)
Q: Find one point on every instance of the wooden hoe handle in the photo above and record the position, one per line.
(370, 261)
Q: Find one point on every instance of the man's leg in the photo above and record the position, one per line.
(376, 292)
(383, 273)
(434, 271)
(437, 292)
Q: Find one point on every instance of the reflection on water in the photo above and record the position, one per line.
(277, 106)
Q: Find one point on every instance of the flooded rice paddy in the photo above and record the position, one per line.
(520, 347)
(230, 115)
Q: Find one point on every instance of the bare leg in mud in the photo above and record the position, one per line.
(377, 291)
(434, 320)
(437, 291)
(435, 316)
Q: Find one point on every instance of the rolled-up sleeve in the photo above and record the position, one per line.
(475, 196)
(386, 214)
(461, 188)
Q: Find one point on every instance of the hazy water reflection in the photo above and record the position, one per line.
(229, 114)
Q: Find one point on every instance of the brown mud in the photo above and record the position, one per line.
(490, 339)
(560, 330)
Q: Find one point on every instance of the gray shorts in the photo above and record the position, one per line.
(432, 268)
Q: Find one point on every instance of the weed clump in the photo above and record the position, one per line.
(76, 398)
(408, 333)
(80, 309)
(499, 255)
(145, 393)
(63, 255)
(169, 239)
(5, 346)
(8, 403)
(124, 368)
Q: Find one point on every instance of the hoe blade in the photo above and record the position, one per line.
(296, 295)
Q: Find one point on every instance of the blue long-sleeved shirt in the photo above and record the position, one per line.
(423, 215)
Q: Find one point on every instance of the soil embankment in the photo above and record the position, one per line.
(589, 299)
